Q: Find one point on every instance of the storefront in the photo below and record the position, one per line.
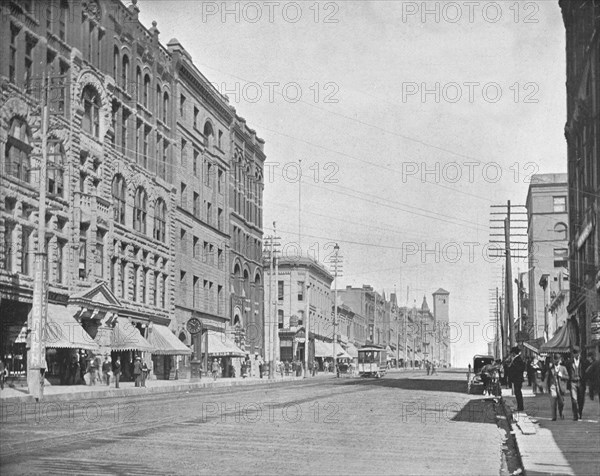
(227, 354)
(126, 342)
(167, 347)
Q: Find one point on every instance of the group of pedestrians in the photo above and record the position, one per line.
(559, 376)
(430, 367)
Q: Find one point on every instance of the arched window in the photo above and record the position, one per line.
(115, 62)
(208, 133)
(561, 231)
(247, 285)
(125, 72)
(139, 210)
(165, 109)
(119, 190)
(160, 220)
(138, 84)
(237, 278)
(17, 150)
(158, 100)
(91, 111)
(56, 160)
(146, 91)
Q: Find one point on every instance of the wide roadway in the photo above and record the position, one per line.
(404, 423)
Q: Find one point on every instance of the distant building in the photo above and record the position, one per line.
(547, 234)
(581, 19)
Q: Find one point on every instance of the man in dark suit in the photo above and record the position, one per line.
(576, 368)
(515, 374)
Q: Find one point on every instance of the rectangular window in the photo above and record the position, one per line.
(183, 241)
(138, 140)
(100, 254)
(220, 139)
(155, 290)
(123, 279)
(196, 295)
(12, 64)
(206, 296)
(220, 304)
(209, 213)
(561, 258)
(560, 204)
(163, 294)
(134, 282)
(28, 72)
(219, 219)
(220, 260)
(207, 173)
(82, 259)
(143, 285)
(183, 153)
(196, 205)
(300, 290)
(8, 249)
(182, 106)
(280, 290)
(220, 182)
(196, 112)
(280, 318)
(183, 195)
(195, 165)
(146, 146)
(205, 252)
(124, 119)
(211, 255)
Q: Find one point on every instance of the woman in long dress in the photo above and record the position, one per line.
(554, 385)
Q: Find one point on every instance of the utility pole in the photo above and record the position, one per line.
(497, 343)
(509, 281)
(36, 364)
(406, 331)
(336, 263)
(275, 300)
(307, 329)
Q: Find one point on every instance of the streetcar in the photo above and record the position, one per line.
(372, 361)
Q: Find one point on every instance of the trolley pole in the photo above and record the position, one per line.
(36, 364)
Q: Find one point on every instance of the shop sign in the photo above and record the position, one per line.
(595, 327)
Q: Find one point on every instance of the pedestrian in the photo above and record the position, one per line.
(427, 367)
(592, 377)
(536, 376)
(215, 369)
(117, 371)
(554, 386)
(144, 373)
(287, 367)
(516, 369)
(280, 365)
(432, 368)
(106, 368)
(93, 371)
(3, 374)
(576, 369)
(137, 371)
(150, 366)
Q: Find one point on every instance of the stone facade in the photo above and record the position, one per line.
(582, 131)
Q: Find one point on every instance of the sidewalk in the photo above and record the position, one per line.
(64, 393)
(562, 447)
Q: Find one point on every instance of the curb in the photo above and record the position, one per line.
(137, 391)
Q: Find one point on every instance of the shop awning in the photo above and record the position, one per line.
(323, 349)
(531, 347)
(343, 355)
(165, 342)
(561, 342)
(219, 345)
(352, 351)
(62, 331)
(125, 336)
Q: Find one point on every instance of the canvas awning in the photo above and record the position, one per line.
(219, 345)
(125, 336)
(323, 349)
(342, 354)
(531, 347)
(352, 351)
(62, 331)
(165, 342)
(561, 342)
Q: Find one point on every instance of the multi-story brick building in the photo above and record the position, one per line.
(582, 131)
(547, 230)
(137, 220)
(245, 226)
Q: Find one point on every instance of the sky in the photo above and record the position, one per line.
(407, 127)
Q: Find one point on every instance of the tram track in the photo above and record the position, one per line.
(109, 433)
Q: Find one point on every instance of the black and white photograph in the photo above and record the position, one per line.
(312, 237)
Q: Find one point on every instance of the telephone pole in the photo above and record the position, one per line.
(336, 261)
(36, 364)
(271, 325)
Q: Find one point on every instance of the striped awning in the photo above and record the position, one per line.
(62, 331)
(165, 342)
(219, 345)
(125, 336)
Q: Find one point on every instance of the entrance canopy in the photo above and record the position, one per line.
(125, 336)
(62, 331)
(165, 342)
(562, 342)
(219, 345)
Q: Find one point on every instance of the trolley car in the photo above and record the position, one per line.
(372, 361)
